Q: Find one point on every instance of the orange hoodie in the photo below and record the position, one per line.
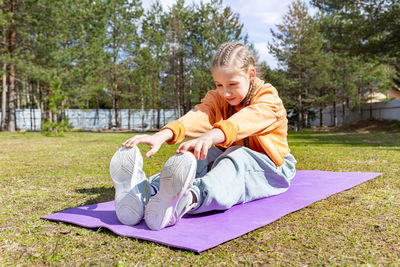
(263, 121)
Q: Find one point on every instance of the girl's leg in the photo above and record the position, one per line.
(203, 166)
(240, 175)
(173, 199)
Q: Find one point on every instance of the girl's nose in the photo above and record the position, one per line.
(227, 93)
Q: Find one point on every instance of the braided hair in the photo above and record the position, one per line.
(234, 55)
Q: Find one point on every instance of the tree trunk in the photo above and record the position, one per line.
(11, 88)
(23, 96)
(62, 115)
(177, 88)
(321, 116)
(115, 84)
(43, 114)
(154, 96)
(129, 119)
(370, 101)
(116, 108)
(182, 82)
(18, 97)
(132, 104)
(158, 117)
(300, 110)
(343, 112)
(158, 104)
(4, 100)
(37, 106)
(11, 100)
(32, 106)
(334, 114)
(299, 100)
(142, 110)
(49, 113)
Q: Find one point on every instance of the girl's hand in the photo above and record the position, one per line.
(153, 141)
(200, 146)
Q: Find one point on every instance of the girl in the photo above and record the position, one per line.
(246, 121)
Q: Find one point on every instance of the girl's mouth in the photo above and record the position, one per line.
(230, 99)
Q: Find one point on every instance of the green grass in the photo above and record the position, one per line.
(41, 175)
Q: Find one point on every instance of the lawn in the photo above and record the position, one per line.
(40, 175)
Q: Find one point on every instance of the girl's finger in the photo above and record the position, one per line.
(204, 152)
(182, 148)
(126, 142)
(179, 148)
(129, 141)
(197, 150)
(139, 140)
(152, 151)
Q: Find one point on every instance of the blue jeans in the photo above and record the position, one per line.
(238, 175)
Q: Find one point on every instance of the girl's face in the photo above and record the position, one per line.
(232, 85)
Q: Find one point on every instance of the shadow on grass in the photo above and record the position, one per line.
(308, 137)
(108, 232)
(100, 194)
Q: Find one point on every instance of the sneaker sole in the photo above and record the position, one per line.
(161, 207)
(123, 170)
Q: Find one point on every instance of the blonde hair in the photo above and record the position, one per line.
(233, 55)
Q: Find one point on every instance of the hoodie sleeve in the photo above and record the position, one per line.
(196, 122)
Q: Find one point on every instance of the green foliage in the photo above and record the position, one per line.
(362, 27)
(319, 62)
(50, 128)
(366, 29)
(56, 126)
(297, 46)
(57, 97)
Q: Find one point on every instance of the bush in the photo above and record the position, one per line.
(50, 128)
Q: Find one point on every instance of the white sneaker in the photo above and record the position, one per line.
(173, 200)
(130, 185)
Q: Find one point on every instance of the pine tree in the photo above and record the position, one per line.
(154, 31)
(368, 28)
(123, 19)
(4, 22)
(297, 47)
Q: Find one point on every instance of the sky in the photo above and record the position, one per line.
(258, 17)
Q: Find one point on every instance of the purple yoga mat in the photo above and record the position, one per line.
(205, 231)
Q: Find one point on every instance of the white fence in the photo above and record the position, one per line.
(380, 110)
(143, 120)
(98, 119)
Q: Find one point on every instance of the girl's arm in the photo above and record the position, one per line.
(198, 121)
(153, 141)
(200, 146)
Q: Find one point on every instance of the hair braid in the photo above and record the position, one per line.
(228, 53)
(233, 54)
(218, 54)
